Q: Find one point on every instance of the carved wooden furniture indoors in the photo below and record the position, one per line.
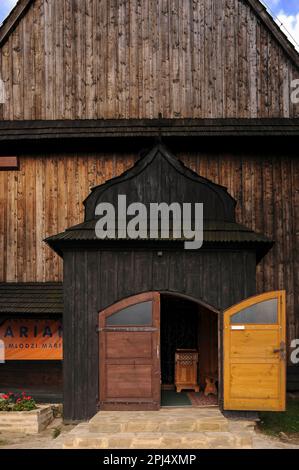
(186, 364)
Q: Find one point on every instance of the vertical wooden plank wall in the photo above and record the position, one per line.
(91, 59)
(43, 198)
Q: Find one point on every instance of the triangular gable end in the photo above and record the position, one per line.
(260, 10)
(232, 61)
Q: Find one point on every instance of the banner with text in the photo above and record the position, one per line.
(32, 339)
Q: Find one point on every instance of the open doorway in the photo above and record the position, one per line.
(187, 325)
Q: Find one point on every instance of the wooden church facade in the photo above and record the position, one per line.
(91, 88)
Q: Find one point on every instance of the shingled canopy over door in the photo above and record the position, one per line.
(130, 354)
(255, 354)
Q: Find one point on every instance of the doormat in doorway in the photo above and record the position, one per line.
(199, 399)
(172, 398)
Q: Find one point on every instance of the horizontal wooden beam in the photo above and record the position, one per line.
(94, 129)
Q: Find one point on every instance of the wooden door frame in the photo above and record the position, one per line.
(214, 311)
(143, 297)
(156, 324)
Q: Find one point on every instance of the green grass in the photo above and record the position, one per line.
(56, 432)
(286, 422)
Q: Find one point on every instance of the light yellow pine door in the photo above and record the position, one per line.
(255, 354)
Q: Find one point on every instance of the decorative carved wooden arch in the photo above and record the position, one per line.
(171, 181)
(144, 296)
(124, 303)
(199, 302)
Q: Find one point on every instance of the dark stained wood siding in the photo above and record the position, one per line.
(96, 280)
(161, 177)
(90, 59)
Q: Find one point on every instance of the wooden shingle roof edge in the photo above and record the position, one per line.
(118, 128)
(31, 298)
(216, 234)
(13, 19)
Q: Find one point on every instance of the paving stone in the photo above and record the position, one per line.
(172, 421)
(203, 440)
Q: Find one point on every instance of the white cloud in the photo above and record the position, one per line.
(290, 26)
(271, 3)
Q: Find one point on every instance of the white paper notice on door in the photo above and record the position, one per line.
(238, 327)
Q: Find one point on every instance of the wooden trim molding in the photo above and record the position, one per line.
(28, 131)
(9, 163)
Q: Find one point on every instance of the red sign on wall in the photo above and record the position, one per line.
(32, 339)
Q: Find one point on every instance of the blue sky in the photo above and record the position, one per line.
(5, 7)
(290, 7)
(287, 12)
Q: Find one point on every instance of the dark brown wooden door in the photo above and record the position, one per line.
(130, 354)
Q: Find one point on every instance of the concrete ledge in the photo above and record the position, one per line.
(27, 422)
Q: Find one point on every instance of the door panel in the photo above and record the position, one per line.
(254, 343)
(263, 379)
(129, 345)
(129, 381)
(130, 354)
(254, 354)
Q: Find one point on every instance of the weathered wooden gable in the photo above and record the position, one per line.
(161, 178)
(91, 59)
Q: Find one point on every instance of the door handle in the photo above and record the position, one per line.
(281, 351)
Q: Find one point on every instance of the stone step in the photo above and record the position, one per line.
(241, 425)
(163, 421)
(81, 438)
